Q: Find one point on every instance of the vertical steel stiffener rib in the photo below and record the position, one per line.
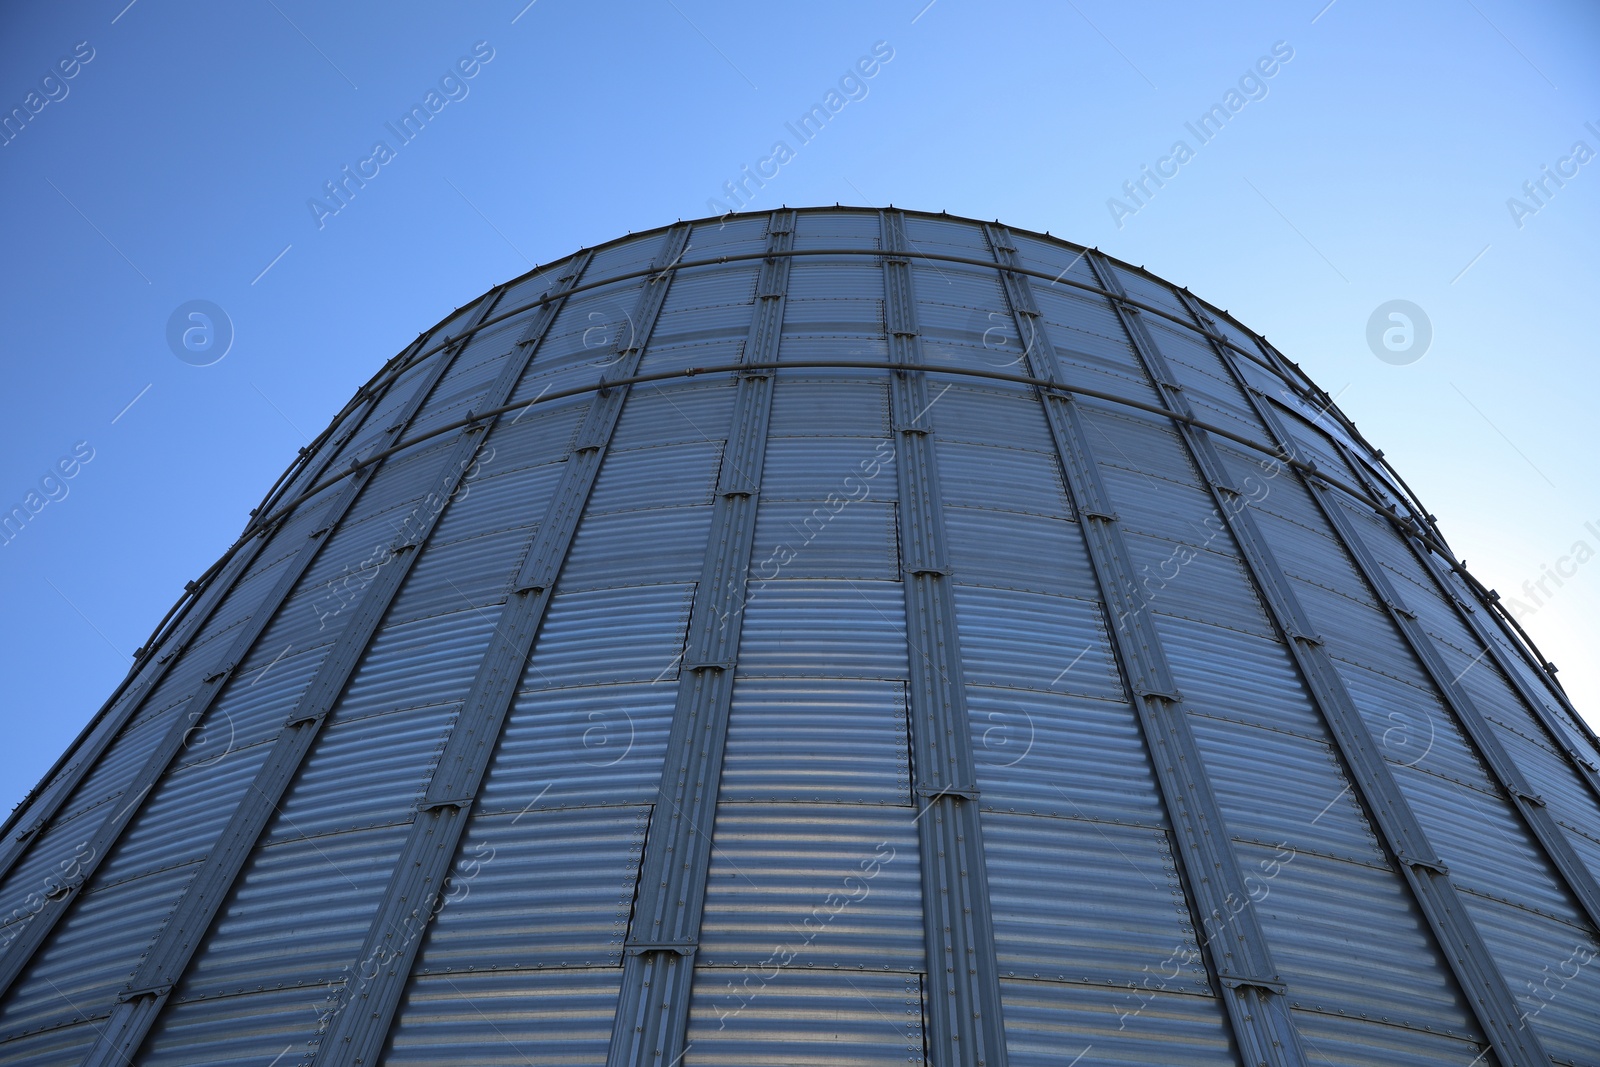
(1505, 771)
(141, 1001)
(965, 1023)
(21, 950)
(1474, 619)
(1411, 528)
(651, 1024)
(95, 746)
(413, 897)
(1461, 943)
(1250, 987)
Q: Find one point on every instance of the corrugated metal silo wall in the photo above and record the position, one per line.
(991, 655)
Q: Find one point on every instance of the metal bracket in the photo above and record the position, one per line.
(152, 991)
(459, 803)
(1266, 985)
(641, 948)
(1427, 865)
(959, 792)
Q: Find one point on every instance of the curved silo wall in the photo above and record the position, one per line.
(827, 636)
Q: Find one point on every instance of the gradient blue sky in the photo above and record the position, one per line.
(179, 163)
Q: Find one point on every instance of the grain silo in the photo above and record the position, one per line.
(828, 636)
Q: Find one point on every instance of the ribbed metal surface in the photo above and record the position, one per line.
(824, 636)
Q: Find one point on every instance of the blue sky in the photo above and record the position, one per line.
(178, 161)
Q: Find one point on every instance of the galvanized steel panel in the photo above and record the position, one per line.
(1061, 755)
(990, 417)
(1550, 968)
(622, 635)
(1035, 641)
(579, 747)
(554, 1018)
(817, 741)
(1088, 902)
(1010, 479)
(822, 407)
(1348, 939)
(837, 885)
(1041, 554)
(1311, 807)
(538, 888)
(675, 414)
(180, 822)
(296, 915)
(849, 536)
(366, 771)
(824, 629)
(56, 1047)
(429, 661)
(90, 954)
(1347, 1041)
(670, 474)
(1049, 1024)
(805, 468)
(238, 1031)
(857, 1019)
(728, 235)
(650, 545)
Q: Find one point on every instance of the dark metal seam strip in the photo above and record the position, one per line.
(411, 900)
(32, 936)
(1458, 937)
(85, 756)
(1543, 825)
(1582, 763)
(1250, 988)
(146, 993)
(652, 1018)
(965, 1020)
